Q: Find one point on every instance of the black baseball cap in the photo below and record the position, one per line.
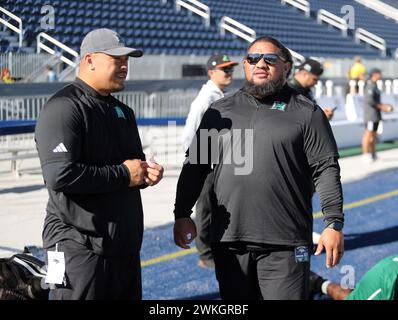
(312, 66)
(220, 61)
(373, 71)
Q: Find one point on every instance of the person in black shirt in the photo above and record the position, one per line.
(372, 115)
(269, 146)
(306, 78)
(94, 167)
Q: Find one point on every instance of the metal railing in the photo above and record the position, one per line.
(303, 5)
(11, 26)
(41, 45)
(21, 108)
(236, 28)
(172, 103)
(381, 7)
(372, 39)
(22, 65)
(196, 7)
(332, 19)
(297, 56)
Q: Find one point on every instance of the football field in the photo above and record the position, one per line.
(371, 233)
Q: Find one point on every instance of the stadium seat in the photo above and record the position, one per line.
(151, 20)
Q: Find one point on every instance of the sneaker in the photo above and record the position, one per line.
(374, 156)
(367, 158)
(315, 285)
(206, 263)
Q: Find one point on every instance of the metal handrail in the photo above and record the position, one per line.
(250, 37)
(236, 27)
(381, 7)
(41, 45)
(303, 5)
(12, 27)
(196, 7)
(297, 55)
(372, 39)
(332, 19)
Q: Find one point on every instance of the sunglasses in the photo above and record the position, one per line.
(269, 58)
(226, 70)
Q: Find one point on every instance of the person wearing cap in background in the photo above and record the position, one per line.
(94, 167)
(306, 78)
(372, 115)
(219, 70)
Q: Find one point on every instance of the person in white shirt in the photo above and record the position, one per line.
(219, 70)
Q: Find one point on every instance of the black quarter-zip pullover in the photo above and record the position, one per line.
(83, 139)
(292, 149)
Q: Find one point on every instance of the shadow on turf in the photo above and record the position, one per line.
(22, 189)
(360, 240)
(209, 296)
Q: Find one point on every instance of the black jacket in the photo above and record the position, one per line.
(290, 147)
(82, 139)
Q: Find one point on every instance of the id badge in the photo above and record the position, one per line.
(301, 254)
(56, 267)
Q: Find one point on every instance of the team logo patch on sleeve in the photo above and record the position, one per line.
(281, 106)
(119, 113)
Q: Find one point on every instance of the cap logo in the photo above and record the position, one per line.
(307, 67)
(225, 58)
(118, 38)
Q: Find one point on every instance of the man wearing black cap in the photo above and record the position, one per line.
(306, 78)
(94, 167)
(219, 69)
(372, 115)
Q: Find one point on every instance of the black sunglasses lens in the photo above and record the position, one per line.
(253, 58)
(270, 59)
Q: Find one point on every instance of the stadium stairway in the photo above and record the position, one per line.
(160, 29)
(365, 18)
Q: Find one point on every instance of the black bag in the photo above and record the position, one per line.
(21, 278)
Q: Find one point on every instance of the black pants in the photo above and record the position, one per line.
(203, 219)
(260, 275)
(93, 277)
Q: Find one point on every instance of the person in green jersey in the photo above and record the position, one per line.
(379, 283)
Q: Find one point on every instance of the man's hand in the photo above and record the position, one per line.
(387, 108)
(154, 172)
(184, 232)
(137, 169)
(329, 112)
(333, 242)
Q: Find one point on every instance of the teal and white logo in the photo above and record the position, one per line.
(281, 106)
(119, 113)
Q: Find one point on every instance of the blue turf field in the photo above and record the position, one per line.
(371, 233)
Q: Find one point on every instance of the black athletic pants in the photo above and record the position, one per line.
(93, 277)
(260, 275)
(203, 219)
